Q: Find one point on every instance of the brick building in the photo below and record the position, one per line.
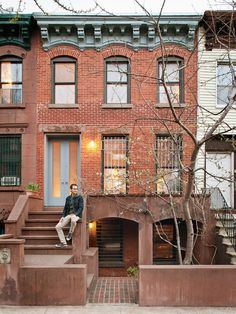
(88, 106)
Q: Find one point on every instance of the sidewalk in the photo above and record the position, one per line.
(114, 309)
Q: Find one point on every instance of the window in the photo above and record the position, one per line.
(64, 78)
(168, 157)
(11, 80)
(117, 81)
(10, 160)
(170, 70)
(224, 83)
(114, 158)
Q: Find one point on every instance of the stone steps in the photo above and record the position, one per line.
(41, 222)
(40, 234)
(41, 230)
(226, 238)
(46, 249)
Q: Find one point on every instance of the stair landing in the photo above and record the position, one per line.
(48, 260)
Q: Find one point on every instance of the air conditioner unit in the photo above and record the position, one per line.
(10, 181)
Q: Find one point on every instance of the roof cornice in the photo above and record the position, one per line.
(98, 31)
(15, 29)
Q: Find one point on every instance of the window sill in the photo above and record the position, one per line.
(117, 106)
(63, 106)
(182, 105)
(11, 188)
(12, 106)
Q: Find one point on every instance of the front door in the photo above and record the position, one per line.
(219, 174)
(62, 168)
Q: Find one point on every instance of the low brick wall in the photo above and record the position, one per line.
(49, 285)
(204, 285)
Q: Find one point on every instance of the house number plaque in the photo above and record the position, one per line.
(5, 256)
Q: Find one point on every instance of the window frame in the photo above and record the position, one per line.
(58, 60)
(17, 176)
(115, 60)
(180, 61)
(13, 60)
(125, 137)
(179, 140)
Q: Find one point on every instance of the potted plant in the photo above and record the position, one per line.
(31, 188)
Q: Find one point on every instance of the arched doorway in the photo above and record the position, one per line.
(117, 242)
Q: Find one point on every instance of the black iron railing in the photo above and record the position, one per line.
(224, 213)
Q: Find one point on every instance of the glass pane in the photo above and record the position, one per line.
(117, 94)
(11, 94)
(115, 181)
(11, 72)
(168, 181)
(65, 94)
(56, 169)
(64, 72)
(117, 72)
(115, 152)
(224, 76)
(171, 71)
(222, 95)
(168, 152)
(173, 91)
(73, 164)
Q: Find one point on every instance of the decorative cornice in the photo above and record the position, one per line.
(15, 29)
(133, 31)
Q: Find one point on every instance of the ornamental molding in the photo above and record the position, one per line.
(15, 30)
(98, 32)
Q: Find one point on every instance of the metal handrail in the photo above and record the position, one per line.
(225, 215)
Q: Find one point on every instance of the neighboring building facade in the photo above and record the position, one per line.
(91, 110)
(216, 52)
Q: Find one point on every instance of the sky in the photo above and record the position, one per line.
(122, 6)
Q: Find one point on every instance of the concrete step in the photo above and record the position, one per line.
(36, 240)
(40, 230)
(45, 215)
(53, 208)
(41, 222)
(47, 249)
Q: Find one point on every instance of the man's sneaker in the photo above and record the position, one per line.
(61, 245)
(69, 236)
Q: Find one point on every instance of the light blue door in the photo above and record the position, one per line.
(62, 168)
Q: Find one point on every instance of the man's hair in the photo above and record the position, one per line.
(73, 184)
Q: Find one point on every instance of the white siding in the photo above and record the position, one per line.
(207, 95)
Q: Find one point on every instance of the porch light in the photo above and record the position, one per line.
(91, 225)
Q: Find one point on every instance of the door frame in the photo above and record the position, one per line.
(48, 136)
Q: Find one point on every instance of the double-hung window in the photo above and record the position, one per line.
(115, 167)
(10, 160)
(117, 90)
(168, 163)
(64, 80)
(170, 72)
(11, 80)
(225, 76)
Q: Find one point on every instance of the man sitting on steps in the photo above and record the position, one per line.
(71, 214)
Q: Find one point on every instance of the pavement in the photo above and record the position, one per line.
(114, 309)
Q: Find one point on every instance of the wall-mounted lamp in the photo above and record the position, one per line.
(92, 145)
(91, 225)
